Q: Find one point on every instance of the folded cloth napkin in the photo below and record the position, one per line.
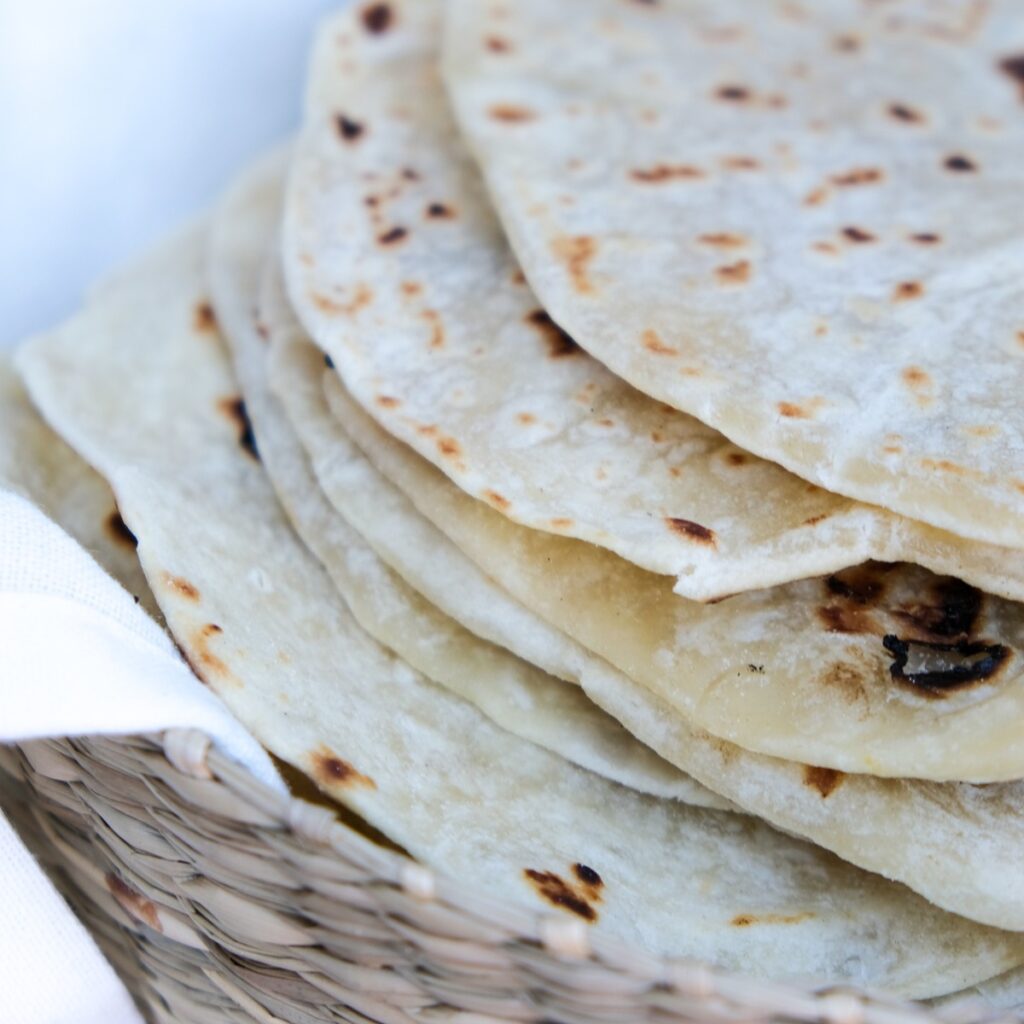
(78, 657)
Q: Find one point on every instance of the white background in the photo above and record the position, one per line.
(118, 119)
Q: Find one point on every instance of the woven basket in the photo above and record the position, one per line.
(219, 901)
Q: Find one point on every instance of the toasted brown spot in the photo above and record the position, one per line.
(816, 197)
(362, 296)
(941, 668)
(561, 894)
(946, 466)
(737, 458)
(901, 112)
(118, 530)
(526, 418)
(561, 523)
(1020, 337)
(745, 920)
(1014, 67)
(665, 172)
(181, 586)
(925, 238)
(847, 682)
(558, 341)
(205, 320)
(692, 531)
(723, 240)
(740, 163)
(133, 903)
(411, 288)
(410, 174)
(981, 431)
(576, 251)
(797, 411)
(509, 113)
(377, 18)
(388, 402)
(206, 658)
(858, 235)
(426, 429)
(959, 163)
(436, 328)
(391, 237)
(846, 43)
(917, 380)
(438, 211)
(331, 770)
(519, 278)
(824, 780)
(499, 501)
(733, 93)
(653, 342)
(448, 446)
(234, 409)
(496, 44)
(814, 520)
(348, 129)
(858, 176)
(844, 618)
(734, 273)
(825, 247)
(906, 290)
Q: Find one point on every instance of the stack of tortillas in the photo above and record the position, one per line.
(593, 452)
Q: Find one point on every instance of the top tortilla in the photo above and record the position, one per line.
(802, 234)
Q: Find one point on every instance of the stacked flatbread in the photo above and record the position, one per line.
(592, 453)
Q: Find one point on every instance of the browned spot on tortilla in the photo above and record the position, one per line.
(806, 410)
(857, 176)
(411, 288)
(558, 341)
(816, 197)
(576, 252)
(846, 618)
(205, 320)
(561, 523)
(392, 237)
(509, 113)
(734, 273)
(180, 586)
(388, 401)
(824, 780)
(746, 920)
(118, 530)
(947, 467)
(234, 409)
(740, 163)
(737, 458)
(438, 211)
(845, 680)
(814, 520)
(426, 429)
(348, 129)
(377, 18)
(846, 43)
(959, 163)
(590, 881)
(1014, 67)
(201, 651)
(820, 330)
(133, 903)
(733, 93)
(907, 290)
(692, 531)
(497, 44)
(918, 381)
(562, 894)
(825, 247)
(665, 172)
(926, 238)
(448, 446)
(499, 501)
(723, 240)
(1020, 337)
(526, 418)
(361, 296)
(857, 234)
(436, 328)
(901, 112)
(519, 277)
(981, 431)
(653, 342)
(331, 770)
(410, 174)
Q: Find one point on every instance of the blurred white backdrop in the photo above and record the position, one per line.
(120, 118)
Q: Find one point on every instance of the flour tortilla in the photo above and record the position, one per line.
(265, 626)
(800, 672)
(38, 465)
(437, 335)
(960, 846)
(857, 314)
(513, 694)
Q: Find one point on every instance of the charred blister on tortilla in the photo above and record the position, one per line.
(118, 530)
(577, 896)
(937, 669)
(234, 409)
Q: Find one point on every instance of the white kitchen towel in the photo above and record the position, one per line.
(78, 657)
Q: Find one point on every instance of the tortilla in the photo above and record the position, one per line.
(513, 694)
(793, 229)
(265, 626)
(38, 465)
(399, 269)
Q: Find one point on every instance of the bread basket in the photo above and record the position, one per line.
(219, 901)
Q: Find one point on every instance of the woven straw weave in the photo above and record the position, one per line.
(221, 902)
